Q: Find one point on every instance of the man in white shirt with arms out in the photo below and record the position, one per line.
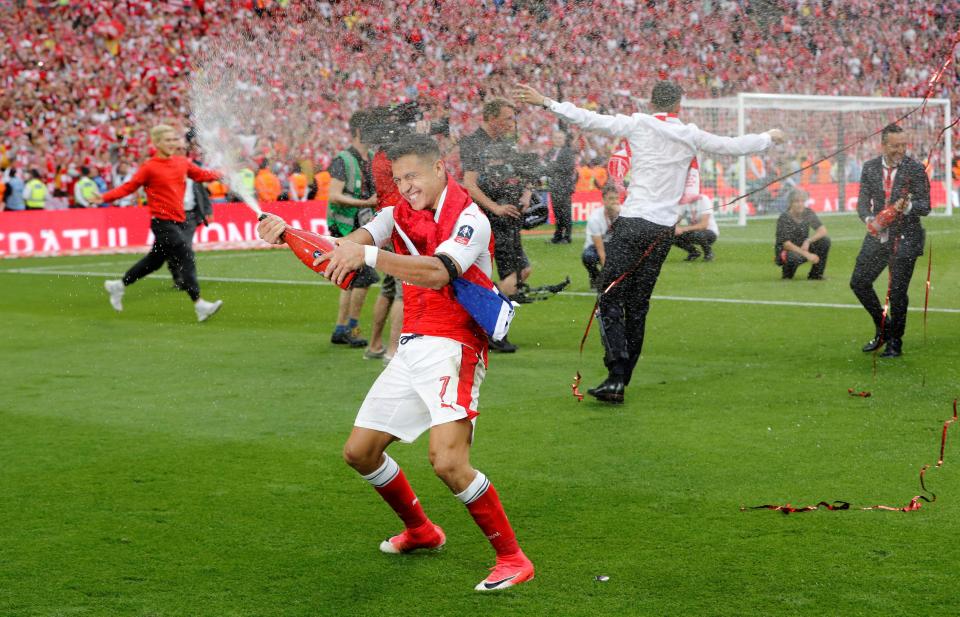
(433, 381)
(663, 148)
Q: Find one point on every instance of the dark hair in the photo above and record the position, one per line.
(13, 172)
(34, 173)
(666, 95)
(423, 146)
(492, 109)
(609, 188)
(358, 121)
(890, 129)
(84, 171)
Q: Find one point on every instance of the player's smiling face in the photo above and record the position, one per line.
(420, 180)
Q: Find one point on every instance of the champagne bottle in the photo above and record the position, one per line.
(307, 246)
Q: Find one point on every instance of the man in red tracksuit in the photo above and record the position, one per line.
(164, 180)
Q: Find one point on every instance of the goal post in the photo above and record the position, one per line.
(816, 126)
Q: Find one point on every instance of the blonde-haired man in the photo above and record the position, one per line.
(164, 178)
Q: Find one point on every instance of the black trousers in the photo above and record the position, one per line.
(874, 257)
(623, 310)
(591, 261)
(820, 248)
(508, 250)
(561, 214)
(171, 246)
(194, 218)
(690, 240)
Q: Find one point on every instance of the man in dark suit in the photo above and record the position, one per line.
(561, 164)
(894, 194)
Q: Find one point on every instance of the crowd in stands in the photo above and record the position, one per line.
(83, 80)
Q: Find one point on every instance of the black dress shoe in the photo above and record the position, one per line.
(502, 346)
(695, 255)
(894, 349)
(874, 343)
(610, 391)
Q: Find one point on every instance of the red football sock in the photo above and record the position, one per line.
(484, 506)
(392, 485)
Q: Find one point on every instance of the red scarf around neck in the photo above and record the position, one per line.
(426, 233)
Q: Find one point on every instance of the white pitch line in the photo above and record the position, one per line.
(217, 279)
(577, 294)
(129, 262)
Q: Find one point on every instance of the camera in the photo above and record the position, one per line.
(386, 125)
(507, 173)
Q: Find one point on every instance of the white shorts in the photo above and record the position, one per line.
(430, 381)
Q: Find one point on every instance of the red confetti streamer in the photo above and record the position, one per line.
(788, 509)
(913, 506)
(943, 439)
(861, 393)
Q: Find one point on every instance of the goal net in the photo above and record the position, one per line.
(816, 126)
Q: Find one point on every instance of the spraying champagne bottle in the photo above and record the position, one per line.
(307, 246)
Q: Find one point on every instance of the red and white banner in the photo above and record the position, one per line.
(127, 230)
(823, 198)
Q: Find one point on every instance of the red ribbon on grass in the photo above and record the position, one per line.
(913, 506)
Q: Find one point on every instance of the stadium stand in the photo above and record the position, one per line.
(88, 77)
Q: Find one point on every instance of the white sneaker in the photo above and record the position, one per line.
(205, 310)
(115, 289)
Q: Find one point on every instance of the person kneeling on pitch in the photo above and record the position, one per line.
(697, 227)
(433, 382)
(794, 246)
(598, 233)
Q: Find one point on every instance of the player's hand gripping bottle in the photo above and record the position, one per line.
(307, 246)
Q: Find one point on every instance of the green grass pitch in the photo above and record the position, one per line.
(153, 466)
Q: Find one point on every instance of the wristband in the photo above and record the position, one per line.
(370, 255)
(546, 103)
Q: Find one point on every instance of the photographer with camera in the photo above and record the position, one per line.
(483, 157)
(351, 202)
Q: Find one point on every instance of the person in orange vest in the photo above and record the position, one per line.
(599, 173)
(218, 192)
(322, 180)
(756, 170)
(806, 176)
(584, 179)
(823, 172)
(267, 184)
(298, 184)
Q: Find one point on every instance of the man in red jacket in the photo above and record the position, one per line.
(164, 178)
(433, 383)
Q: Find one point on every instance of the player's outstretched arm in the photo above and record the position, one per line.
(617, 126)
